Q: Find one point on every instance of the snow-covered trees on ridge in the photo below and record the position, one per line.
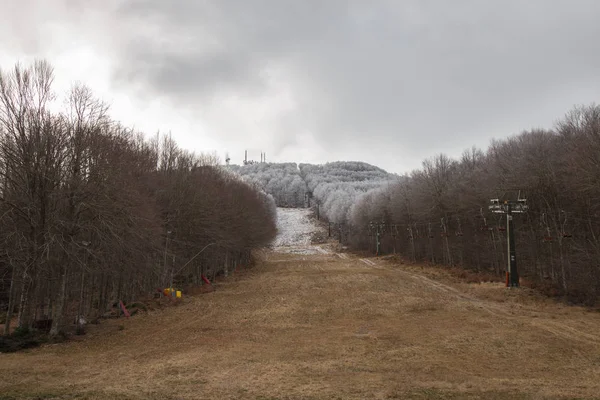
(334, 186)
(280, 180)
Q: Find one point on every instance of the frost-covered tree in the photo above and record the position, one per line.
(280, 180)
(336, 186)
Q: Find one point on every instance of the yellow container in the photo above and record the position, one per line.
(172, 292)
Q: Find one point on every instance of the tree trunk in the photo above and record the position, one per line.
(562, 265)
(60, 304)
(431, 251)
(11, 304)
(80, 307)
(91, 294)
(22, 319)
(448, 249)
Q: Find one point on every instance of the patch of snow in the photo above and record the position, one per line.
(294, 232)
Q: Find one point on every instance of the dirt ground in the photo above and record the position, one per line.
(327, 326)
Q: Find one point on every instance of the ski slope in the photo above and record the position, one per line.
(294, 232)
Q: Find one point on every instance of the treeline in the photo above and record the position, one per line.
(92, 213)
(280, 180)
(335, 186)
(440, 212)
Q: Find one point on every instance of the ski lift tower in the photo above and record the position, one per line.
(510, 207)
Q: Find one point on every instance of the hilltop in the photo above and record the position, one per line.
(334, 186)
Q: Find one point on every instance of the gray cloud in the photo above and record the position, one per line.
(389, 82)
(409, 76)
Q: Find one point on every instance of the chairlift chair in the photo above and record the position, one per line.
(484, 227)
(501, 227)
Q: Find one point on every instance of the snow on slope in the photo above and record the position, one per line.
(294, 232)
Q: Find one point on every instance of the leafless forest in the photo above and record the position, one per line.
(92, 213)
(439, 213)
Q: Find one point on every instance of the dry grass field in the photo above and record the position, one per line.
(327, 326)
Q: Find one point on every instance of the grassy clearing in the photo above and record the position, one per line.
(322, 327)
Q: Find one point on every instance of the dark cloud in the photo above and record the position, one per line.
(197, 48)
(410, 76)
(390, 82)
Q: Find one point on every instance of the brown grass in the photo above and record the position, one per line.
(321, 327)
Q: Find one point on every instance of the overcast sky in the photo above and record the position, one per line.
(389, 82)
